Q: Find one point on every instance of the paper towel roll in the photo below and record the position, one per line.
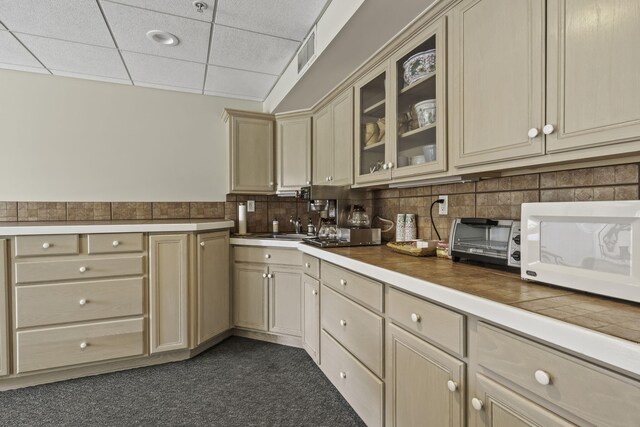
(242, 218)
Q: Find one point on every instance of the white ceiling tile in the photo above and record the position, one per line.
(165, 87)
(76, 57)
(164, 71)
(12, 52)
(246, 50)
(174, 7)
(238, 82)
(2, 27)
(130, 26)
(283, 18)
(40, 70)
(89, 77)
(76, 20)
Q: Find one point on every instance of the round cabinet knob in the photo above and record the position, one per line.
(326, 178)
(314, 292)
(477, 404)
(343, 322)
(343, 282)
(267, 256)
(83, 345)
(264, 275)
(330, 178)
(385, 166)
(308, 182)
(82, 302)
(82, 269)
(306, 264)
(115, 243)
(548, 129)
(202, 244)
(343, 375)
(452, 386)
(415, 317)
(542, 377)
(533, 132)
(269, 276)
(271, 184)
(46, 245)
(390, 165)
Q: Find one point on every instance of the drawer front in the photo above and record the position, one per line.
(81, 268)
(311, 266)
(591, 393)
(73, 345)
(439, 325)
(115, 243)
(360, 288)
(360, 388)
(358, 330)
(41, 305)
(268, 255)
(58, 244)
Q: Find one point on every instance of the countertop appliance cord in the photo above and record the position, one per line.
(433, 224)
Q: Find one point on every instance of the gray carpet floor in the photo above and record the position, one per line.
(240, 382)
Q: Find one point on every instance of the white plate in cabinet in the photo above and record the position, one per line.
(359, 330)
(44, 271)
(363, 390)
(73, 345)
(41, 305)
(437, 324)
(360, 288)
(115, 243)
(59, 244)
(589, 392)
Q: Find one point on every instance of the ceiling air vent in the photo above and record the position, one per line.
(307, 52)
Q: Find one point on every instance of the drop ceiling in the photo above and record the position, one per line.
(233, 48)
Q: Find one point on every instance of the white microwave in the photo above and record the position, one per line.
(588, 246)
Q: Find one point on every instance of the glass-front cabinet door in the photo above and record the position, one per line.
(418, 72)
(372, 153)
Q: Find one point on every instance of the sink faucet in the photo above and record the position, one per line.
(297, 224)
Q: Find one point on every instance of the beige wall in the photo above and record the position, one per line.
(64, 139)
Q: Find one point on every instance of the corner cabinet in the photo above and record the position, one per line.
(4, 292)
(391, 142)
(333, 142)
(293, 151)
(251, 152)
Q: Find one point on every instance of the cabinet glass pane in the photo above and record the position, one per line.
(416, 91)
(372, 122)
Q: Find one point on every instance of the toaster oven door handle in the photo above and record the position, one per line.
(479, 221)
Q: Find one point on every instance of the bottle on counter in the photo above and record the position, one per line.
(242, 218)
(311, 229)
(275, 225)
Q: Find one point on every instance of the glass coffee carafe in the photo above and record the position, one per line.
(358, 217)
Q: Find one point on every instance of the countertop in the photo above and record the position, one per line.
(128, 226)
(599, 328)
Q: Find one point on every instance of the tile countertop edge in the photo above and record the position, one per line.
(614, 351)
(111, 227)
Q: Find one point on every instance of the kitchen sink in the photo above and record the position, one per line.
(281, 236)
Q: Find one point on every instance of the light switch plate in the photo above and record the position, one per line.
(251, 205)
(443, 208)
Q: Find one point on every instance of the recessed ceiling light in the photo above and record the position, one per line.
(163, 37)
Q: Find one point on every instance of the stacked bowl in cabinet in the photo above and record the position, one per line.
(77, 299)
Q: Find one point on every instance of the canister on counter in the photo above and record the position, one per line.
(410, 229)
(400, 227)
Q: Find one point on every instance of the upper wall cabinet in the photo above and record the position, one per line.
(251, 151)
(333, 142)
(401, 111)
(593, 89)
(293, 151)
(496, 80)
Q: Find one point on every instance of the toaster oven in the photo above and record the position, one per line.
(486, 240)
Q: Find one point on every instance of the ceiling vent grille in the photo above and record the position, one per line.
(307, 52)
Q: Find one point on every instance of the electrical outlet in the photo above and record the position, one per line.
(443, 208)
(251, 205)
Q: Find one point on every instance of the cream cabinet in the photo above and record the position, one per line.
(168, 292)
(4, 332)
(251, 152)
(293, 151)
(311, 328)
(333, 142)
(213, 288)
(267, 290)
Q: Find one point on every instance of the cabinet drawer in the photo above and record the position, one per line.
(589, 392)
(73, 345)
(311, 266)
(360, 388)
(80, 268)
(268, 255)
(439, 325)
(115, 243)
(360, 288)
(59, 244)
(41, 305)
(358, 330)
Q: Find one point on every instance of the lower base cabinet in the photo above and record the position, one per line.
(425, 386)
(4, 331)
(285, 300)
(311, 339)
(250, 296)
